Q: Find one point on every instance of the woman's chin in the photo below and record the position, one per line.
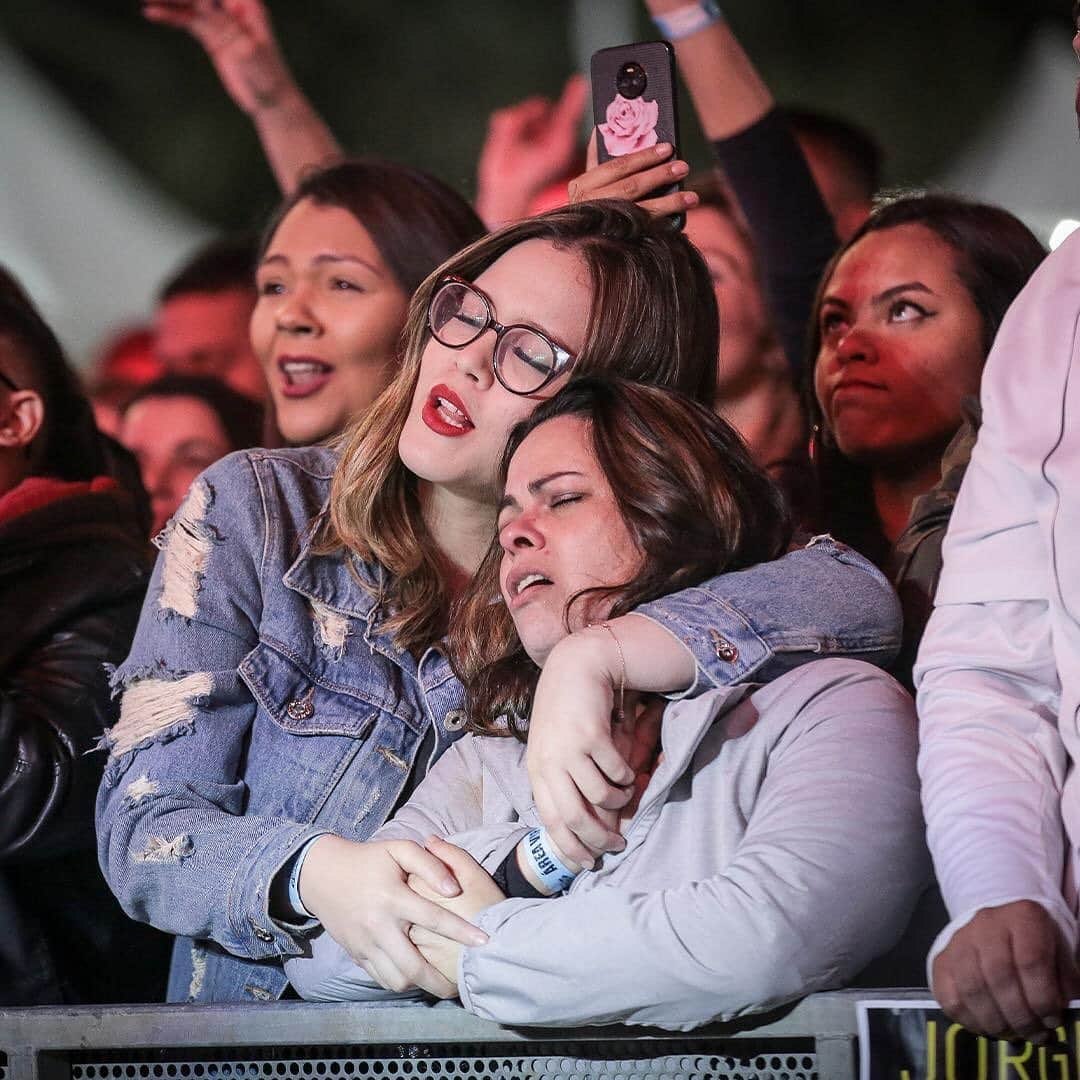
(537, 654)
(305, 430)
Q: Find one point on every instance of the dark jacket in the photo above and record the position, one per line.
(73, 570)
(914, 563)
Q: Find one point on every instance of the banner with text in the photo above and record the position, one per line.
(915, 1040)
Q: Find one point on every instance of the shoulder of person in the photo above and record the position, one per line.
(287, 478)
(837, 691)
(828, 678)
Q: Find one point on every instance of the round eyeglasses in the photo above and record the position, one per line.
(524, 360)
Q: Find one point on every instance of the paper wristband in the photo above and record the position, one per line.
(294, 880)
(547, 866)
(684, 21)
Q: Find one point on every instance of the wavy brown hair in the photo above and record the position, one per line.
(693, 500)
(414, 219)
(653, 319)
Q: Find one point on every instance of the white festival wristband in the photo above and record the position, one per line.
(551, 871)
(294, 879)
(687, 20)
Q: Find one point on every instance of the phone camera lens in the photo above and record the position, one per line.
(631, 80)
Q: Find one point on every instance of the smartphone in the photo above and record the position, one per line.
(634, 102)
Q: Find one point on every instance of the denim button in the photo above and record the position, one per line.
(725, 650)
(300, 709)
(455, 719)
(261, 934)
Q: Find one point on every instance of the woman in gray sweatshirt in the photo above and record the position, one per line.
(773, 839)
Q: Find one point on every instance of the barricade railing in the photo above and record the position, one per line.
(814, 1040)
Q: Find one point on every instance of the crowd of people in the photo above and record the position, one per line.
(545, 572)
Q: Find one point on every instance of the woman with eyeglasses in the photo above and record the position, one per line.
(288, 687)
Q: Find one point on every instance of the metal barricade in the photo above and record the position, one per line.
(814, 1040)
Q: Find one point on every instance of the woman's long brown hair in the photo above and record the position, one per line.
(653, 319)
(692, 498)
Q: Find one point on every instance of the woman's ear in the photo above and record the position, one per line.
(21, 417)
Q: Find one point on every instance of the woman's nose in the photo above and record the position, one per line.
(856, 344)
(521, 534)
(155, 479)
(295, 315)
(476, 360)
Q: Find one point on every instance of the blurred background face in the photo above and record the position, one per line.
(561, 531)
(744, 323)
(206, 333)
(327, 323)
(901, 346)
(173, 439)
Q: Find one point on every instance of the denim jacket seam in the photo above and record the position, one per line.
(360, 694)
(284, 456)
(830, 643)
(310, 595)
(265, 555)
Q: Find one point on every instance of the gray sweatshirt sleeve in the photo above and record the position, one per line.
(824, 879)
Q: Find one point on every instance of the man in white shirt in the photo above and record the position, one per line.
(998, 680)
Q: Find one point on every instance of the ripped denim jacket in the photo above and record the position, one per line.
(260, 706)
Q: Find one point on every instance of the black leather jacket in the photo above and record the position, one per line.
(72, 577)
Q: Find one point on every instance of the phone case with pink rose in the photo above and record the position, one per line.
(634, 101)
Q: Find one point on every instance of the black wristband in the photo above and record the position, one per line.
(513, 882)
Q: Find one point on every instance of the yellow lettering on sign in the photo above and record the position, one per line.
(1060, 1060)
(951, 1072)
(1006, 1061)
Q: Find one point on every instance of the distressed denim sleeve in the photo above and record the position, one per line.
(821, 600)
(174, 842)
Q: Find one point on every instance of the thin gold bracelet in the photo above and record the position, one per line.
(620, 715)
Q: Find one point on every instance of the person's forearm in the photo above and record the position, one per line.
(820, 600)
(294, 138)
(992, 761)
(728, 93)
(498, 204)
(631, 651)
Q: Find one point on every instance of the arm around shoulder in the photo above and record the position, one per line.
(823, 599)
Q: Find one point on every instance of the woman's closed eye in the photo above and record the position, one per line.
(471, 322)
(567, 498)
(524, 356)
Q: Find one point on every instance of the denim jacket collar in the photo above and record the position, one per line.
(331, 580)
(351, 586)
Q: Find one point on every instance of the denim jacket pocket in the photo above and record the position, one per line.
(300, 703)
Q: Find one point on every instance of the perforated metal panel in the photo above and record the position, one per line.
(610, 1060)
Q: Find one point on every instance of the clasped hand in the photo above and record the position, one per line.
(372, 897)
